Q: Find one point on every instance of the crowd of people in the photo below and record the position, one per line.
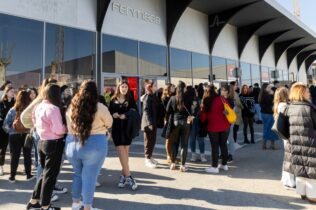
(54, 123)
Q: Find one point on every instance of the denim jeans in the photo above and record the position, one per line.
(231, 142)
(194, 135)
(87, 161)
(258, 112)
(268, 134)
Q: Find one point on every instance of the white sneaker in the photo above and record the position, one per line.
(1, 171)
(172, 166)
(203, 158)
(223, 167)
(54, 198)
(212, 170)
(193, 157)
(76, 206)
(150, 164)
(97, 184)
(184, 168)
(154, 161)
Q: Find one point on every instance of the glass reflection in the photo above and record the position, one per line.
(180, 66)
(200, 68)
(265, 76)
(20, 50)
(255, 74)
(245, 74)
(219, 68)
(231, 66)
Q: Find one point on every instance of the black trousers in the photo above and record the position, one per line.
(248, 121)
(150, 142)
(180, 134)
(51, 152)
(16, 145)
(235, 130)
(219, 140)
(4, 141)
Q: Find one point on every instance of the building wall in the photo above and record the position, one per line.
(268, 58)
(226, 44)
(73, 13)
(293, 69)
(251, 51)
(302, 76)
(125, 18)
(282, 64)
(191, 32)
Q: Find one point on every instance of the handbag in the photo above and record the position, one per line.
(190, 117)
(281, 125)
(229, 113)
(29, 140)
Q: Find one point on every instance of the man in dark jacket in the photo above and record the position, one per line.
(256, 91)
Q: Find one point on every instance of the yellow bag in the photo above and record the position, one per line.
(229, 113)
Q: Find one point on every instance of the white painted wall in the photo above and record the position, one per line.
(268, 57)
(302, 76)
(132, 25)
(251, 51)
(293, 69)
(73, 13)
(282, 64)
(191, 32)
(226, 44)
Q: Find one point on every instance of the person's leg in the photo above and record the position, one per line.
(252, 131)
(201, 145)
(123, 156)
(53, 151)
(214, 144)
(185, 132)
(245, 121)
(223, 136)
(168, 147)
(311, 189)
(15, 151)
(149, 142)
(27, 154)
(192, 139)
(92, 160)
(235, 130)
(231, 143)
(3, 145)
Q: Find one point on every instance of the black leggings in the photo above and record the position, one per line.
(248, 121)
(219, 140)
(235, 130)
(181, 134)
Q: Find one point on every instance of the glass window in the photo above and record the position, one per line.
(20, 51)
(119, 55)
(70, 54)
(245, 74)
(255, 74)
(265, 76)
(231, 70)
(152, 59)
(285, 76)
(219, 69)
(180, 66)
(200, 68)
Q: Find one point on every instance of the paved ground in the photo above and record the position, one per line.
(251, 183)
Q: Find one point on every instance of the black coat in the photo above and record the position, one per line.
(266, 103)
(300, 156)
(312, 90)
(133, 123)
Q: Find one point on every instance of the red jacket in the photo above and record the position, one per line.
(217, 121)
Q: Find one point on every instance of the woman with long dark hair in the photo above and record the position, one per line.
(121, 103)
(17, 137)
(180, 106)
(7, 102)
(217, 127)
(49, 124)
(149, 123)
(248, 112)
(88, 122)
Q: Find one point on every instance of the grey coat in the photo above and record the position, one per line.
(300, 156)
(149, 116)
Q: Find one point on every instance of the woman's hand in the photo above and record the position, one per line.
(116, 115)
(122, 116)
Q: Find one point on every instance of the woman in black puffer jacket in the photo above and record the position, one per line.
(301, 161)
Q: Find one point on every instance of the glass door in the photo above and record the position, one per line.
(108, 86)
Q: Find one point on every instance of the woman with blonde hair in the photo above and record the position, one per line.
(301, 162)
(281, 97)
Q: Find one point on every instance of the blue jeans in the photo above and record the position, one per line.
(258, 112)
(194, 135)
(231, 142)
(87, 162)
(268, 134)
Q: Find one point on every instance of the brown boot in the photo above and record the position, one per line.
(264, 145)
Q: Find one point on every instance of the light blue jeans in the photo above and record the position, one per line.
(194, 135)
(87, 161)
(231, 142)
(258, 112)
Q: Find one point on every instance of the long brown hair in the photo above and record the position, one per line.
(83, 108)
(208, 97)
(180, 95)
(243, 90)
(6, 90)
(118, 93)
(22, 101)
(281, 96)
(52, 93)
(263, 91)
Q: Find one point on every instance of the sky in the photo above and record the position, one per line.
(307, 11)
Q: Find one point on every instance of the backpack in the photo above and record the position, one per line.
(17, 124)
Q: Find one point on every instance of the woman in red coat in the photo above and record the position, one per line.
(217, 126)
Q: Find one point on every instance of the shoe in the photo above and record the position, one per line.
(30, 206)
(154, 161)
(60, 190)
(172, 166)
(122, 181)
(184, 168)
(246, 142)
(1, 171)
(131, 182)
(150, 164)
(264, 145)
(212, 170)
(193, 157)
(252, 142)
(97, 184)
(52, 208)
(303, 197)
(12, 180)
(230, 159)
(259, 122)
(54, 198)
(77, 206)
(203, 158)
(30, 178)
(169, 161)
(223, 167)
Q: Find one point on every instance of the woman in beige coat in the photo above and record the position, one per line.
(237, 108)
